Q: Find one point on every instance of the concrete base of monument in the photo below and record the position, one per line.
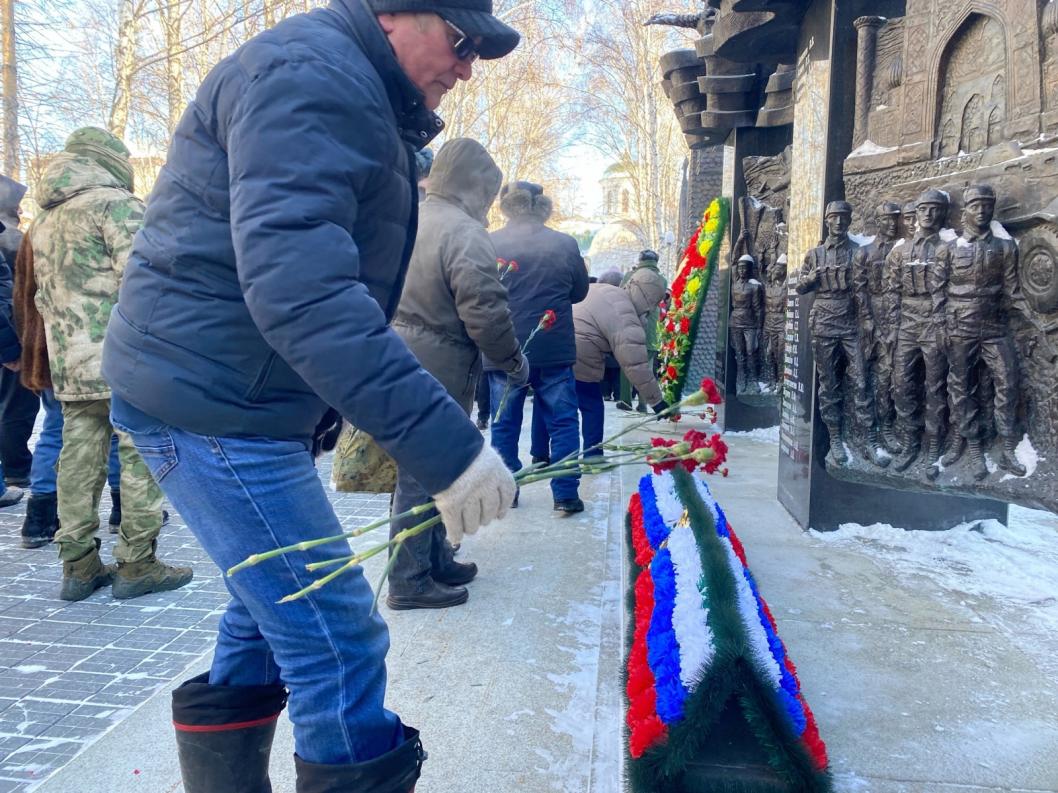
(1036, 488)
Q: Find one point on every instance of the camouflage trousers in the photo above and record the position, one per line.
(82, 475)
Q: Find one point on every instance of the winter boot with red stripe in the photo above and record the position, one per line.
(396, 771)
(224, 735)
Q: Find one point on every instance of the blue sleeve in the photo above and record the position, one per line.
(297, 163)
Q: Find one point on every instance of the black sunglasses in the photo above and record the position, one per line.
(464, 47)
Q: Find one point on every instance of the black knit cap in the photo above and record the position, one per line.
(473, 17)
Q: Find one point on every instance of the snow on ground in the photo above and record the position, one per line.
(1015, 565)
(763, 434)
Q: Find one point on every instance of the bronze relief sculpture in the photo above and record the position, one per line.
(840, 291)
(745, 322)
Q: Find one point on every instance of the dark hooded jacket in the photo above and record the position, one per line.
(453, 303)
(11, 193)
(551, 275)
(274, 249)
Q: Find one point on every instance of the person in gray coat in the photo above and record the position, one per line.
(452, 310)
(610, 321)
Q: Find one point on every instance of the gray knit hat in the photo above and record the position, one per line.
(473, 17)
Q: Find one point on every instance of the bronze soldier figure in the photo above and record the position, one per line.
(840, 298)
(976, 289)
(909, 220)
(911, 311)
(775, 296)
(747, 317)
(878, 335)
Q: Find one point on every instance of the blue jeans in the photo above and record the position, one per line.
(244, 495)
(555, 398)
(592, 416)
(49, 444)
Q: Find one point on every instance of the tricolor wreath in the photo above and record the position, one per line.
(704, 650)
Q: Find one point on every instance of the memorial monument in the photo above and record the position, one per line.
(937, 121)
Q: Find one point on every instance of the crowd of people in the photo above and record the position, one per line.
(171, 353)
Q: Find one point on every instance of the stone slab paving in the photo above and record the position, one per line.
(69, 672)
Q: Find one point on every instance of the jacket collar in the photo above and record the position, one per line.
(972, 236)
(417, 124)
(835, 242)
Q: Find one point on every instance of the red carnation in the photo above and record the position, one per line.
(685, 325)
(672, 372)
(548, 320)
(712, 393)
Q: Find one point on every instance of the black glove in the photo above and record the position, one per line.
(660, 407)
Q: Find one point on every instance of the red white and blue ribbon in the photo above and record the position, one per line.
(673, 644)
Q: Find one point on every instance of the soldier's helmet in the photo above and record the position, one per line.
(745, 258)
(978, 192)
(938, 197)
(909, 208)
(838, 208)
(889, 208)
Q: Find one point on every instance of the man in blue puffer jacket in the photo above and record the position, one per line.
(258, 292)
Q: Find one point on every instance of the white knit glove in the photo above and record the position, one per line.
(481, 494)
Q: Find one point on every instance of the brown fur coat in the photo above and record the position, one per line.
(36, 373)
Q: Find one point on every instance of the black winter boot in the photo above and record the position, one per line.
(444, 569)
(42, 520)
(224, 735)
(396, 771)
(426, 594)
(114, 521)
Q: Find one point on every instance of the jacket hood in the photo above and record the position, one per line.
(71, 174)
(11, 193)
(646, 287)
(465, 174)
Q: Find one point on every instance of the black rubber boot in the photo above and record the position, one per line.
(397, 771)
(224, 735)
(42, 521)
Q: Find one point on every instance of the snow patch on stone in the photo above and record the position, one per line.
(948, 235)
(869, 147)
(1015, 564)
(763, 434)
(999, 231)
(1027, 455)
(861, 239)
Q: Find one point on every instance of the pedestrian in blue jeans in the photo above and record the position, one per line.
(42, 517)
(550, 276)
(256, 302)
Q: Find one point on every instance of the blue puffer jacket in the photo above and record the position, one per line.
(274, 250)
(551, 275)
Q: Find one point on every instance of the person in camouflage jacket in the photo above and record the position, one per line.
(81, 241)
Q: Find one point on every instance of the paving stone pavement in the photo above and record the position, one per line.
(69, 672)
